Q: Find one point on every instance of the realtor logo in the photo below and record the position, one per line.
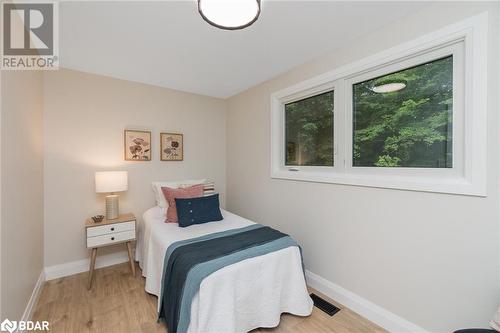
(8, 326)
(30, 36)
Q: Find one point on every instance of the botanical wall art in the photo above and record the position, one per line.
(172, 147)
(137, 145)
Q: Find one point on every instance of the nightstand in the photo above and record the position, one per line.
(110, 232)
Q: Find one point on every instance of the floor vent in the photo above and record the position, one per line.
(324, 306)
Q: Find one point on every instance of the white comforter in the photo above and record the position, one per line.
(238, 298)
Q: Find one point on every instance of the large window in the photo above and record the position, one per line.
(404, 119)
(309, 131)
(413, 117)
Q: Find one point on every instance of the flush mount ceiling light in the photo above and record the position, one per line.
(229, 14)
(388, 85)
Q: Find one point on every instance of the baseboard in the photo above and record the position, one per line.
(30, 307)
(80, 266)
(363, 307)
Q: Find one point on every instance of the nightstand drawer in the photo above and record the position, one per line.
(110, 238)
(110, 228)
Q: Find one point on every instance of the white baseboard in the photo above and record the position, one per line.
(30, 307)
(363, 307)
(80, 266)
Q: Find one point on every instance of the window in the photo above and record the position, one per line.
(309, 131)
(404, 119)
(412, 117)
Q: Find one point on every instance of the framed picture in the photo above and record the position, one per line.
(171, 147)
(137, 145)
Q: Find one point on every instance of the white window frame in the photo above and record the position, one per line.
(467, 42)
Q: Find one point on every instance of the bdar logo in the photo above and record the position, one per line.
(8, 326)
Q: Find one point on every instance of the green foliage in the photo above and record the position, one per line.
(387, 161)
(410, 127)
(309, 128)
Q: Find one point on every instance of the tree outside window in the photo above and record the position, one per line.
(411, 127)
(309, 131)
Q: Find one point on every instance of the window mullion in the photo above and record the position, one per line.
(340, 125)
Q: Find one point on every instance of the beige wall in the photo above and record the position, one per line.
(22, 189)
(84, 119)
(430, 258)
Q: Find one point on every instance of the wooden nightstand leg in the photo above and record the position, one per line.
(92, 264)
(130, 258)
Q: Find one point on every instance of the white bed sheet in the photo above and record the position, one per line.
(238, 298)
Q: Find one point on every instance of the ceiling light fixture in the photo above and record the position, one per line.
(229, 14)
(388, 85)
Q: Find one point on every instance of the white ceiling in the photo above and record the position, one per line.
(168, 44)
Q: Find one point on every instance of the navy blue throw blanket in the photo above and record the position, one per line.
(185, 257)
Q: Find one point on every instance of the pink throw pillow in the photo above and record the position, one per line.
(182, 193)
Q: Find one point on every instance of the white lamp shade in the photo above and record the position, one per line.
(111, 181)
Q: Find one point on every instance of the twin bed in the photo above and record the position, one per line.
(239, 297)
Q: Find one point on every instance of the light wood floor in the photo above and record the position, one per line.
(118, 303)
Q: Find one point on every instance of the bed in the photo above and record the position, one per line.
(237, 298)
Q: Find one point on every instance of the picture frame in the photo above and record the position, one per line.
(137, 145)
(171, 147)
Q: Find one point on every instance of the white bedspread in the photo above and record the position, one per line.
(238, 298)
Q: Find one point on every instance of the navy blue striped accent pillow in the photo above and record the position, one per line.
(198, 210)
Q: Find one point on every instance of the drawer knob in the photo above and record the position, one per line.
(112, 238)
(112, 229)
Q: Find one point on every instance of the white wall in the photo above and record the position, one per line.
(84, 119)
(21, 190)
(430, 258)
(498, 107)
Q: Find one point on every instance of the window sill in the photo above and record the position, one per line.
(436, 184)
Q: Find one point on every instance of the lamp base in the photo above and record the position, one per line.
(112, 211)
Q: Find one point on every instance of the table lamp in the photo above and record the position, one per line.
(111, 182)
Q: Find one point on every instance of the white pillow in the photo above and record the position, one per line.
(160, 198)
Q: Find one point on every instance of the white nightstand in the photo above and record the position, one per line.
(110, 232)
